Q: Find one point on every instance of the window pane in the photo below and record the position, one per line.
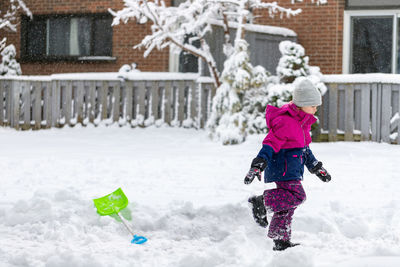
(80, 37)
(102, 37)
(372, 44)
(36, 38)
(187, 61)
(68, 35)
(59, 36)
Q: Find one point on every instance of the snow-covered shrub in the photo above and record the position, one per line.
(293, 62)
(226, 122)
(255, 100)
(9, 13)
(292, 68)
(9, 65)
(292, 65)
(171, 25)
(240, 102)
(231, 114)
(279, 94)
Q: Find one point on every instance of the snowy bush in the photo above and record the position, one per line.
(9, 65)
(171, 25)
(293, 62)
(279, 94)
(227, 122)
(292, 65)
(255, 100)
(8, 20)
(233, 110)
(292, 68)
(240, 103)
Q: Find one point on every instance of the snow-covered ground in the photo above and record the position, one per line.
(188, 198)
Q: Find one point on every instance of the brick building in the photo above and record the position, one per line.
(107, 48)
(347, 36)
(342, 36)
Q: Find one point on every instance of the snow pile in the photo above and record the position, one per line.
(191, 205)
(129, 68)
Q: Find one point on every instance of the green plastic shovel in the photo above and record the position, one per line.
(112, 204)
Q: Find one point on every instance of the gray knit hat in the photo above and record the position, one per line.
(306, 94)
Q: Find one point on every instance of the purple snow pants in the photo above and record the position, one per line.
(282, 201)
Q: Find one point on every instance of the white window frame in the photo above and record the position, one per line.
(173, 64)
(347, 34)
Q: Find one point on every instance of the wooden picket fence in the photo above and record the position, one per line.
(44, 102)
(350, 110)
(361, 111)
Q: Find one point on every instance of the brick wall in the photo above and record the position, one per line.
(125, 36)
(319, 30)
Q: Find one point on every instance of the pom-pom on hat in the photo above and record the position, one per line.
(306, 94)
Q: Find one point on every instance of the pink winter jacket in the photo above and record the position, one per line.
(289, 127)
(285, 148)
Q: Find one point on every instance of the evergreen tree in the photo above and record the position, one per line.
(255, 100)
(232, 111)
(293, 63)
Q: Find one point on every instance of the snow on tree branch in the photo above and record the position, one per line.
(171, 26)
(8, 19)
(2, 43)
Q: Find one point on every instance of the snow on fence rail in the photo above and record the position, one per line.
(54, 101)
(362, 106)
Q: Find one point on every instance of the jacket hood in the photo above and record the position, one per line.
(288, 109)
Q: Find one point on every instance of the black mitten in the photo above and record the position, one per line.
(253, 173)
(257, 166)
(321, 172)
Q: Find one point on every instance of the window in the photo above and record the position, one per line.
(371, 41)
(187, 61)
(72, 37)
(371, 44)
(184, 61)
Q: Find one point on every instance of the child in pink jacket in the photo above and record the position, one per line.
(284, 153)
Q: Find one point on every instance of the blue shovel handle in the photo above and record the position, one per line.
(138, 239)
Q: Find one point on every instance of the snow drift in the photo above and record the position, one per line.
(188, 198)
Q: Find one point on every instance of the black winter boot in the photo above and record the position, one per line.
(259, 213)
(283, 244)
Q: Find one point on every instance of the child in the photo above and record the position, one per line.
(283, 155)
